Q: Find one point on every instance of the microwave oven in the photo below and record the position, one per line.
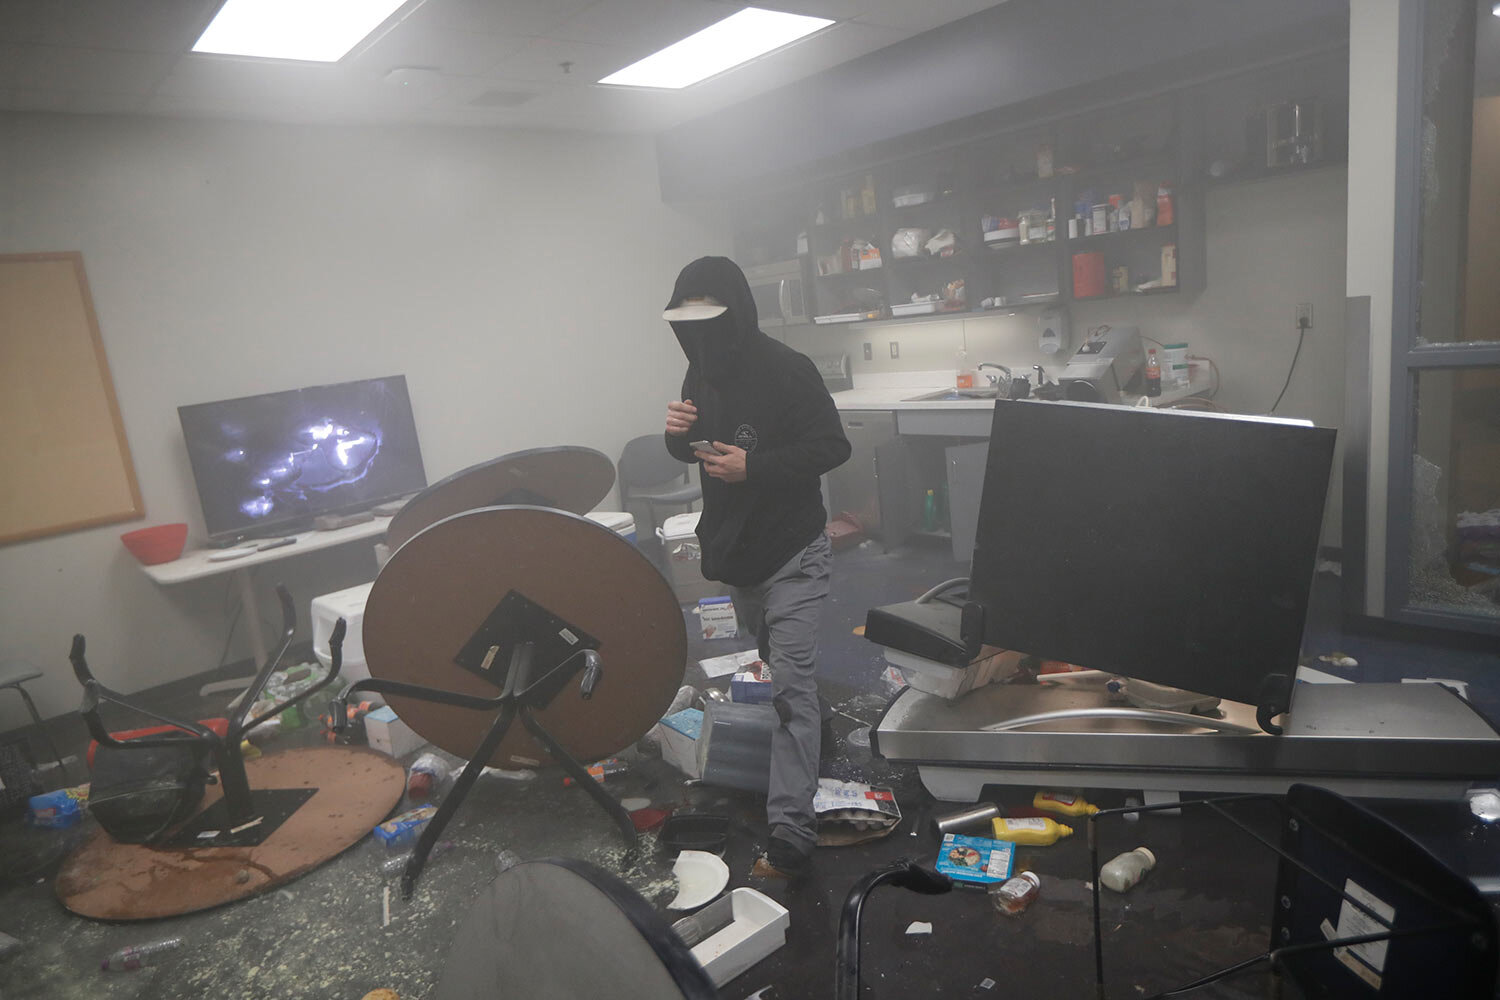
(780, 292)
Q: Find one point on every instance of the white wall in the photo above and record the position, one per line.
(515, 278)
(1373, 58)
(1270, 244)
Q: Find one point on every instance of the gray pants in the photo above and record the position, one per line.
(787, 606)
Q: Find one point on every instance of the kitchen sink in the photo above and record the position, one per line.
(950, 395)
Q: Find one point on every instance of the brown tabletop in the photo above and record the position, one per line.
(566, 478)
(356, 789)
(441, 586)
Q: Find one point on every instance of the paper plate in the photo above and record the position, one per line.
(700, 877)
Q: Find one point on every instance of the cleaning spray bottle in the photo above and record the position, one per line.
(1036, 831)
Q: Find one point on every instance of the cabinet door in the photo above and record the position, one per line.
(855, 486)
(966, 464)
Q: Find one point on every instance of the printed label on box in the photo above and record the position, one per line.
(979, 860)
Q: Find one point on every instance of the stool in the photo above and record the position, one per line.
(14, 674)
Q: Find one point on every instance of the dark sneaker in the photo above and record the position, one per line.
(782, 860)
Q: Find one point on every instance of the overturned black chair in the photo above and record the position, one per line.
(145, 786)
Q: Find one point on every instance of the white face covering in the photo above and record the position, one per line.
(695, 309)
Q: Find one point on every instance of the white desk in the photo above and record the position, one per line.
(195, 565)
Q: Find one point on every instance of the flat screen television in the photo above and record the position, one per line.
(1172, 546)
(268, 464)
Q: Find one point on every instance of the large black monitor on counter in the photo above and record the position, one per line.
(269, 464)
(1173, 546)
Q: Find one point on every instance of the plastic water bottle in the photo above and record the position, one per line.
(138, 955)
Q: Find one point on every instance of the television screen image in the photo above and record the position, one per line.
(269, 464)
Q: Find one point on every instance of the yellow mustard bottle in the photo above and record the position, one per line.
(1063, 803)
(1037, 831)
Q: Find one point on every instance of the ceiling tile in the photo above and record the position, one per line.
(646, 25)
(455, 53)
(542, 59)
(496, 17)
(55, 67)
(918, 17)
(137, 25)
(239, 82)
(21, 99)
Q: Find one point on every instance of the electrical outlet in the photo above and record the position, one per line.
(1304, 316)
(895, 349)
(868, 355)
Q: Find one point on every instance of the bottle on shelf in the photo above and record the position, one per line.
(1015, 894)
(1153, 374)
(929, 512)
(1121, 873)
(1052, 220)
(867, 195)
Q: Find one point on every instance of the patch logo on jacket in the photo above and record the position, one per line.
(745, 437)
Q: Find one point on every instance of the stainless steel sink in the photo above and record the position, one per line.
(951, 395)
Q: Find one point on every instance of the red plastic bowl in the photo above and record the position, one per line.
(160, 544)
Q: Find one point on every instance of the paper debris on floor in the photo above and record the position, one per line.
(729, 663)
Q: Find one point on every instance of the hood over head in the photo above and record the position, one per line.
(718, 346)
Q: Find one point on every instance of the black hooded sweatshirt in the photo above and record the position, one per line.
(762, 396)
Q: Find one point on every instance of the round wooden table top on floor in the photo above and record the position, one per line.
(441, 587)
(566, 477)
(356, 789)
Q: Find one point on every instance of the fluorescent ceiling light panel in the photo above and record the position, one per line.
(309, 30)
(736, 39)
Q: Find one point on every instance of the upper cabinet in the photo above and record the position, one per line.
(1078, 205)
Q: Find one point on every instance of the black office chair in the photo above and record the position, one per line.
(652, 479)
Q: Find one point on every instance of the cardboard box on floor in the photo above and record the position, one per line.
(851, 813)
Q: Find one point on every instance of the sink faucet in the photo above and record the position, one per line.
(994, 379)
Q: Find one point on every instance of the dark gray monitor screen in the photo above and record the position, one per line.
(271, 463)
(1172, 546)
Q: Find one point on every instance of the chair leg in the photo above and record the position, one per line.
(36, 719)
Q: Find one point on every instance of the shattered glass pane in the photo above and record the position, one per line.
(1455, 524)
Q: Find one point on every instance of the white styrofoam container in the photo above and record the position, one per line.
(618, 521)
(679, 538)
(759, 928)
(348, 604)
(388, 734)
(932, 677)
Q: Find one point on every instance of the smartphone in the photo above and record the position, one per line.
(707, 446)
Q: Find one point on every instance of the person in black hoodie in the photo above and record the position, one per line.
(774, 432)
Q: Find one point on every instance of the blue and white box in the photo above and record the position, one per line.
(678, 734)
(976, 860)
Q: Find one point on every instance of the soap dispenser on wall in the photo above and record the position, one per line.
(1053, 336)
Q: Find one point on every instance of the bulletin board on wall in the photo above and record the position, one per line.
(64, 460)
